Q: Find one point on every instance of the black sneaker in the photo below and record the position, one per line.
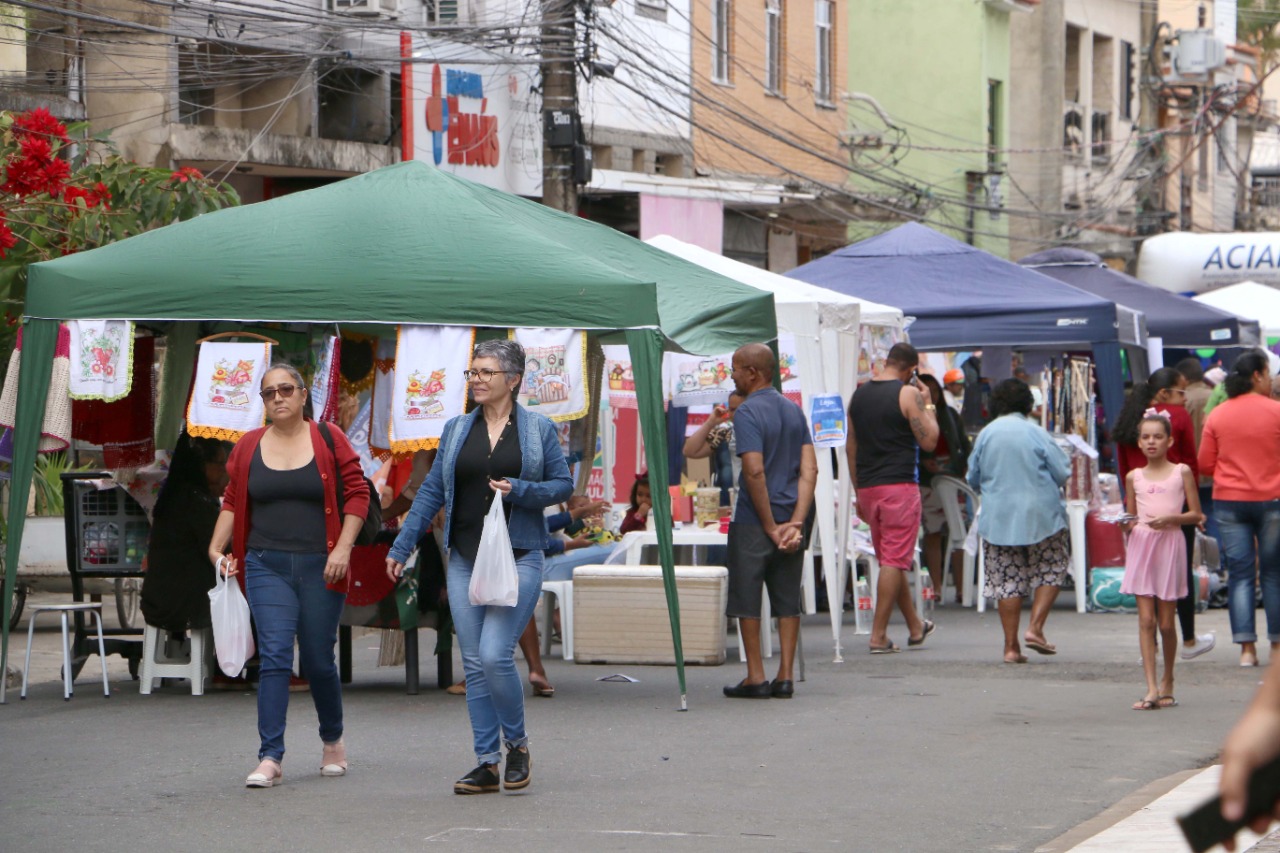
(482, 780)
(519, 763)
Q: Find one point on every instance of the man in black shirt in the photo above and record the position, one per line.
(891, 423)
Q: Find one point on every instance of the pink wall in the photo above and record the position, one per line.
(694, 220)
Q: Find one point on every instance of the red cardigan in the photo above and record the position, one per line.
(236, 498)
(1183, 450)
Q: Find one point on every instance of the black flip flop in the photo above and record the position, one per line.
(929, 628)
(1147, 705)
(1042, 648)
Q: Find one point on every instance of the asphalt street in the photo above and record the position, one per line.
(941, 749)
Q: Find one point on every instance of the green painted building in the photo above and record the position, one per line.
(939, 72)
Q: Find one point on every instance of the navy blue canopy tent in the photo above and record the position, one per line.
(1180, 321)
(964, 298)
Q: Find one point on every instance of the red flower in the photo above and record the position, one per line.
(7, 238)
(184, 174)
(35, 147)
(40, 122)
(23, 177)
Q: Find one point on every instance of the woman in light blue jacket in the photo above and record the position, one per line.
(499, 448)
(1019, 471)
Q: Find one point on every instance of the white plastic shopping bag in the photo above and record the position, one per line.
(232, 636)
(493, 579)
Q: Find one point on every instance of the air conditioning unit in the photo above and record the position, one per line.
(365, 8)
(1196, 53)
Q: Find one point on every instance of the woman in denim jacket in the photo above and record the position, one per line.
(499, 448)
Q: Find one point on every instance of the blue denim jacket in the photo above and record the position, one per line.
(544, 480)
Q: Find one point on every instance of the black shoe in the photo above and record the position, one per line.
(482, 780)
(742, 690)
(519, 763)
(783, 689)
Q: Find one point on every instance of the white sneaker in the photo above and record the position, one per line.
(1204, 643)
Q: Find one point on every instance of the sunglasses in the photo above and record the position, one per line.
(285, 391)
(484, 374)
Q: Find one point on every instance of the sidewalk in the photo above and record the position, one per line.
(1153, 828)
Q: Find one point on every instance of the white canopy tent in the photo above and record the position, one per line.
(828, 328)
(1250, 300)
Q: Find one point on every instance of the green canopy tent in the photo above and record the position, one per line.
(403, 244)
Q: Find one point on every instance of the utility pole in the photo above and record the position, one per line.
(559, 95)
(1151, 194)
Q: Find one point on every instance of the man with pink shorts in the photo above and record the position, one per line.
(891, 423)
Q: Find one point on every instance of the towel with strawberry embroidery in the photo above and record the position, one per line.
(101, 359)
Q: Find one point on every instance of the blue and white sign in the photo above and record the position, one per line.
(826, 420)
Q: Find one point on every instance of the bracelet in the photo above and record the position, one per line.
(930, 408)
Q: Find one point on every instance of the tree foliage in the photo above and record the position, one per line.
(1256, 22)
(61, 193)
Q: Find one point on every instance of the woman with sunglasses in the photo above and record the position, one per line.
(280, 515)
(498, 449)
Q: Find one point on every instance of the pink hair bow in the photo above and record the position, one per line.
(1156, 413)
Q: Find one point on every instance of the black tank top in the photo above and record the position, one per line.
(887, 449)
(288, 508)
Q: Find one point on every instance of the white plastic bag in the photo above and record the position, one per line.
(232, 636)
(493, 578)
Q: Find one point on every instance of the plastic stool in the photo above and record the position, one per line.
(192, 664)
(562, 591)
(65, 610)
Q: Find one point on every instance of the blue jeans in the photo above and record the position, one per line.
(1240, 523)
(288, 599)
(1206, 506)
(561, 566)
(487, 641)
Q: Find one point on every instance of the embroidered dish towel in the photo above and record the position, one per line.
(555, 374)
(101, 359)
(428, 387)
(224, 394)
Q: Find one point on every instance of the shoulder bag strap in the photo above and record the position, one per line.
(328, 439)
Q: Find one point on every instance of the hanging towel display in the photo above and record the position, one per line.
(356, 360)
(555, 372)
(697, 380)
(618, 376)
(384, 363)
(55, 432)
(124, 428)
(358, 435)
(428, 387)
(788, 370)
(326, 383)
(102, 355)
(224, 395)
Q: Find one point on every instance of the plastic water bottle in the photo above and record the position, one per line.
(928, 595)
(862, 605)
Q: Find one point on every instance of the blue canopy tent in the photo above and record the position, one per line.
(1179, 321)
(965, 298)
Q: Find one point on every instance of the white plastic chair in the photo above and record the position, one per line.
(949, 490)
(561, 591)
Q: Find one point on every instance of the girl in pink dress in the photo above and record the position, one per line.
(1155, 564)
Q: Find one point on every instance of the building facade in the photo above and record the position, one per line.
(1074, 135)
(930, 125)
(768, 116)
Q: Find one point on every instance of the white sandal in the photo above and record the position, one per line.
(336, 768)
(258, 779)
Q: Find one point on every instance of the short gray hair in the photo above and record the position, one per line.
(510, 355)
(289, 369)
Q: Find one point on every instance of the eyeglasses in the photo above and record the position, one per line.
(285, 391)
(484, 374)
